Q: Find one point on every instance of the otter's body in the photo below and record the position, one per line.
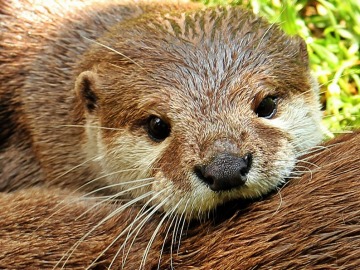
(176, 106)
(312, 223)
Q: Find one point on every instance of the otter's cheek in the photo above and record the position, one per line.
(300, 121)
(268, 173)
(167, 195)
(128, 162)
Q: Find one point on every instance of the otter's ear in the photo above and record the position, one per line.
(85, 89)
(302, 53)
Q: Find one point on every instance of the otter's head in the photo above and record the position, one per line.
(198, 108)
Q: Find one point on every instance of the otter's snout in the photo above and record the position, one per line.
(225, 171)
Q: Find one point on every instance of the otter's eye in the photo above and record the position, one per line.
(267, 107)
(157, 129)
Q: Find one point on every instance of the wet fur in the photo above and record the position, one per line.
(313, 222)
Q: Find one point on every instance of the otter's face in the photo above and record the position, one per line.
(197, 111)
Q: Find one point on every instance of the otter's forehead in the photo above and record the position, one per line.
(215, 51)
(224, 54)
(205, 60)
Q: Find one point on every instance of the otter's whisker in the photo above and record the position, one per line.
(147, 249)
(191, 214)
(88, 126)
(120, 184)
(269, 28)
(263, 36)
(115, 51)
(180, 219)
(173, 237)
(280, 203)
(280, 197)
(77, 166)
(82, 197)
(307, 169)
(103, 197)
(306, 92)
(138, 216)
(311, 164)
(88, 183)
(297, 174)
(109, 198)
(152, 210)
(183, 224)
(312, 150)
(68, 254)
(171, 220)
(140, 225)
(328, 147)
(104, 176)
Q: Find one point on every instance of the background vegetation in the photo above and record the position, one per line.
(332, 31)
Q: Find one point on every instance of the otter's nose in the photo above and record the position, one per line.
(225, 171)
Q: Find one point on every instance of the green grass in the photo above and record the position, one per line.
(332, 31)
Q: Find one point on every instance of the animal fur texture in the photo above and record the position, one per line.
(75, 106)
(313, 222)
(84, 82)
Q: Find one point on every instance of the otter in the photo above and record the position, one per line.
(176, 106)
(313, 222)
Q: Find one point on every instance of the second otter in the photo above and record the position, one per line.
(176, 106)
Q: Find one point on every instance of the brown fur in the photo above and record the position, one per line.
(37, 80)
(81, 79)
(53, 76)
(311, 223)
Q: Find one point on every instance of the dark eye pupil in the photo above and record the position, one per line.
(267, 107)
(158, 129)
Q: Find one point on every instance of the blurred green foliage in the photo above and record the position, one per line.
(332, 31)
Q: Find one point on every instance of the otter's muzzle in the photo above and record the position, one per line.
(225, 171)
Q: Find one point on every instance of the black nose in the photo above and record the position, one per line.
(225, 171)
